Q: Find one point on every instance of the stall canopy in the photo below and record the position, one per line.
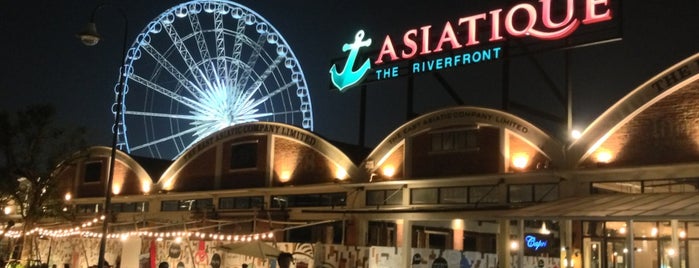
(651, 207)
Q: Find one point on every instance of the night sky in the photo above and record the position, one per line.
(44, 62)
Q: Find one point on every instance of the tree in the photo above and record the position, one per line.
(31, 146)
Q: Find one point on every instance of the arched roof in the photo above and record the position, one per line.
(93, 152)
(262, 128)
(634, 103)
(467, 115)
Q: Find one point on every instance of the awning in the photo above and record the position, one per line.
(665, 206)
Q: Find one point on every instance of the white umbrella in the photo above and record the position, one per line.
(257, 249)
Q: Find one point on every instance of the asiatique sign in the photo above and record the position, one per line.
(523, 20)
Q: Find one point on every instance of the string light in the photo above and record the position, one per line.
(177, 236)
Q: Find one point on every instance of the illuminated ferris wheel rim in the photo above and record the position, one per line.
(210, 76)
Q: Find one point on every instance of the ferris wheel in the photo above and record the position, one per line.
(202, 66)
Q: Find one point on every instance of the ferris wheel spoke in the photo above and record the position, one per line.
(220, 45)
(261, 79)
(164, 91)
(163, 115)
(252, 117)
(272, 94)
(164, 139)
(257, 116)
(201, 43)
(169, 67)
(237, 47)
(184, 51)
(252, 61)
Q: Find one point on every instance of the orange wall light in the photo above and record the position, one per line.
(603, 156)
(388, 171)
(520, 160)
(285, 176)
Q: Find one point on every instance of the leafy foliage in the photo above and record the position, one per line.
(31, 147)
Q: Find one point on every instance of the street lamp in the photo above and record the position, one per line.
(90, 37)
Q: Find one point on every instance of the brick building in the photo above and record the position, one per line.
(461, 186)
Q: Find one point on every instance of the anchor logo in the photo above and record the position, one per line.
(348, 77)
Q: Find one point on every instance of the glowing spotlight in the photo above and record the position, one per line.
(544, 230)
(388, 171)
(520, 160)
(671, 252)
(575, 134)
(116, 189)
(514, 245)
(340, 174)
(603, 156)
(285, 176)
(146, 187)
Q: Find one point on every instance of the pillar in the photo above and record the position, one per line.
(504, 257)
(399, 233)
(329, 235)
(629, 256)
(520, 241)
(407, 237)
(675, 244)
(457, 227)
(567, 237)
(360, 232)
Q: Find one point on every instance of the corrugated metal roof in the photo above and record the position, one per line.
(615, 207)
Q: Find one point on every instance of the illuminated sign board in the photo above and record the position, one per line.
(533, 20)
(535, 243)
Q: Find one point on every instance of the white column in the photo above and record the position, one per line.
(567, 236)
(629, 256)
(504, 257)
(520, 240)
(405, 246)
(674, 260)
(361, 226)
(457, 227)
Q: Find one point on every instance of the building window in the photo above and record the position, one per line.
(244, 155)
(187, 205)
(424, 196)
(130, 207)
(482, 194)
(520, 193)
(315, 233)
(627, 187)
(453, 195)
(679, 185)
(685, 185)
(88, 208)
(454, 141)
(528, 193)
(93, 172)
(381, 233)
(244, 202)
(384, 197)
(310, 200)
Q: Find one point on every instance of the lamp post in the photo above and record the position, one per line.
(90, 37)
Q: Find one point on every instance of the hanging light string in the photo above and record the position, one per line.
(81, 232)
